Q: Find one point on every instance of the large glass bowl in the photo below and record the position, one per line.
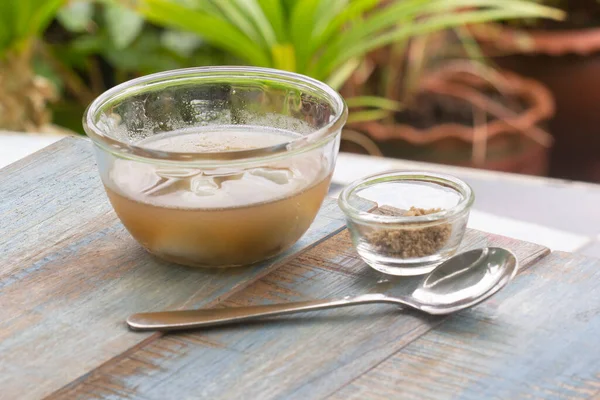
(217, 166)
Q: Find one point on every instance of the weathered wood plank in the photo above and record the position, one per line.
(298, 357)
(538, 339)
(70, 274)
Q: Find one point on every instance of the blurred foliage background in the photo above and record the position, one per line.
(384, 56)
(65, 53)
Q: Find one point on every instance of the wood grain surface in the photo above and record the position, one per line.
(70, 274)
(300, 357)
(537, 339)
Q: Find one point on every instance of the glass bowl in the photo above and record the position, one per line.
(217, 166)
(406, 223)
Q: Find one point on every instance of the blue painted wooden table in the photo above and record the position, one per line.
(70, 275)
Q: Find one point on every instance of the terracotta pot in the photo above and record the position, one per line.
(512, 142)
(568, 63)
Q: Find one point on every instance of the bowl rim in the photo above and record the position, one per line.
(130, 151)
(354, 213)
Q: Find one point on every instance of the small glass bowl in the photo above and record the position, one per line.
(406, 222)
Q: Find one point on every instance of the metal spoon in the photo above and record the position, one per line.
(460, 282)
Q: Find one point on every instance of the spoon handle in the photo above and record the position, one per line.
(189, 319)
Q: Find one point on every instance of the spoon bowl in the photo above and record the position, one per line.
(460, 282)
(465, 280)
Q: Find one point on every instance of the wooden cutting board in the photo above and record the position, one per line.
(70, 275)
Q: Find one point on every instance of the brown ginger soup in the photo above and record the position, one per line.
(220, 216)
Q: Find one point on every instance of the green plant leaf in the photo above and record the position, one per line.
(123, 24)
(325, 13)
(145, 55)
(179, 42)
(6, 25)
(375, 102)
(23, 15)
(287, 7)
(69, 54)
(253, 11)
(353, 10)
(204, 6)
(368, 115)
(525, 8)
(238, 19)
(88, 44)
(324, 38)
(284, 57)
(379, 21)
(302, 22)
(432, 16)
(21, 21)
(213, 29)
(341, 75)
(274, 12)
(76, 16)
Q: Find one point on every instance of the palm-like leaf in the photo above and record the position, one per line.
(22, 20)
(209, 23)
(323, 38)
